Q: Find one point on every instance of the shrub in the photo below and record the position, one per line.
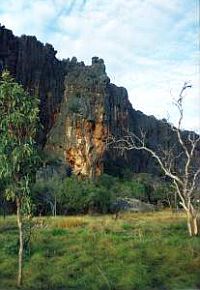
(73, 196)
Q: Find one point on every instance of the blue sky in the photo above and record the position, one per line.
(151, 47)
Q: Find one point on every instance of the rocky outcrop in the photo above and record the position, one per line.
(92, 109)
(80, 108)
(35, 66)
(124, 204)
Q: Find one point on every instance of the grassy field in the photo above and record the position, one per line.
(138, 251)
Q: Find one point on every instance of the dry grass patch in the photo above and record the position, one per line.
(69, 222)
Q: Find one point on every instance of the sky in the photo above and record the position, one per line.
(151, 47)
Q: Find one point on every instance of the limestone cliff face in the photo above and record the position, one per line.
(80, 108)
(35, 66)
(91, 109)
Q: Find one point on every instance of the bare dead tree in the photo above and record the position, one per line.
(185, 176)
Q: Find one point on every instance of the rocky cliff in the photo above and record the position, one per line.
(79, 108)
(35, 66)
(92, 108)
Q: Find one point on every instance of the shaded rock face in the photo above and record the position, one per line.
(35, 66)
(80, 108)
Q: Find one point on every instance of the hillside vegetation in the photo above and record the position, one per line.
(137, 251)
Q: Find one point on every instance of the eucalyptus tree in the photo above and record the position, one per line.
(19, 119)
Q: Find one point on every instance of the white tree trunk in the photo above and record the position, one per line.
(192, 222)
(20, 254)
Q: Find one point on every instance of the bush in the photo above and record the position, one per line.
(73, 196)
(46, 195)
(83, 196)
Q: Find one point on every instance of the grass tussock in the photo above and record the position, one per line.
(68, 223)
(138, 251)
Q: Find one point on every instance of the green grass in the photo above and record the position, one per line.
(138, 251)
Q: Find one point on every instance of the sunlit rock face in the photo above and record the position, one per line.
(80, 109)
(91, 110)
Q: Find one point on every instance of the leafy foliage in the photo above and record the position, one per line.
(18, 124)
(19, 117)
(74, 196)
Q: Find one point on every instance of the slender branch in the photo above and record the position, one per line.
(128, 143)
(194, 180)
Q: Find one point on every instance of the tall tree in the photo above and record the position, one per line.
(19, 119)
(181, 167)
